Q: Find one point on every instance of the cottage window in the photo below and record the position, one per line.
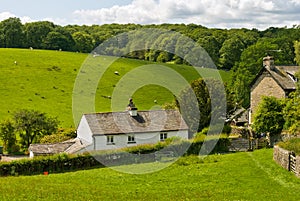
(110, 139)
(131, 139)
(163, 136)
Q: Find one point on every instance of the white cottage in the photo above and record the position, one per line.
(113, 130)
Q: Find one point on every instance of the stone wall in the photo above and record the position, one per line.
(239, 144)
(282, 157)
(242, 131)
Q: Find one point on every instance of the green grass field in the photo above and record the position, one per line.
(44, 80)
(239, 176)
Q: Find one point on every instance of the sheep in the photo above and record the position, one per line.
(117, 73)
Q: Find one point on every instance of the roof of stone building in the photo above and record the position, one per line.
(240, 115)
(145, 121)
(69, 146)
(283, 75)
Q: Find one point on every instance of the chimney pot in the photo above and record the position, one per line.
(268, 62)
(131, 108)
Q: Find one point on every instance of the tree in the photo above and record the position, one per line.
(32, 125)
(35, 32)
(291, 110)
(59, 38)
(291, 113)
(12, 28)
(297, 52)
(195, 120)
(240, 86)
(269, 116)
(83, 42)
(230, 52)
(8, 136)
(211, 45)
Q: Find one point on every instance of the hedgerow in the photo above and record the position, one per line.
(137, 154)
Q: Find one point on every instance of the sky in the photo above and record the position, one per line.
(259, 14)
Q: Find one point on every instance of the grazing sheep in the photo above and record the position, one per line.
(16, 63)
(117, 73)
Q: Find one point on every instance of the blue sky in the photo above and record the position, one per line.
(259, 14)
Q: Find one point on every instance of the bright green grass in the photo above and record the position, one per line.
(43, 80)
(240, 176)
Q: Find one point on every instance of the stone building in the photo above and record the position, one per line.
(277, 81)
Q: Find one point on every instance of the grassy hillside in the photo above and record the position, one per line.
(44, 80)
(240, 176)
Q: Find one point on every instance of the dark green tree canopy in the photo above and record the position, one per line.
(32, 125)
(269, 116)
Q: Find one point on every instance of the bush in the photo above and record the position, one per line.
(137, 154)
(291, 145)
(63, 134)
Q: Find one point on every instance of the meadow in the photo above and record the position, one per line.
(44, 80)
(235, 176)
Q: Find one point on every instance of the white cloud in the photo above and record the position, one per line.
(6, 15)
(259, 14)
(211, 13)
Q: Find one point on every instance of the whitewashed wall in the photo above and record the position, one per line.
(84, 131)
(121, 140)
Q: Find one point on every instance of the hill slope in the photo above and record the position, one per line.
(44, 80)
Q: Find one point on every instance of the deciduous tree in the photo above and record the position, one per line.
(32, 125)
(269, 116)
(8, 135)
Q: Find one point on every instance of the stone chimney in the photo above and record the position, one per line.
(268, 62)
(132, 110)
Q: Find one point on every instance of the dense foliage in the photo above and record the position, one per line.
(29, 126)
(269, 116)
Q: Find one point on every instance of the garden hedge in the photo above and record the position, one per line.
(138, 154)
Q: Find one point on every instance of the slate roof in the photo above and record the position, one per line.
(240, 115)
(145, 121)
(69, 146)
(282, 75)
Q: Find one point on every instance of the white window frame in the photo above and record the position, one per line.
(110, 140)
(131, 139)
(163, 136)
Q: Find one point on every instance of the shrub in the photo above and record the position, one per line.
(137, 154)
(291, 145)
(63, 134)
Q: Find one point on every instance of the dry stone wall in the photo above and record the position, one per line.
(282, 157)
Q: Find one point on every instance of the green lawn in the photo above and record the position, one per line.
(240, 176)
(43, 80)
